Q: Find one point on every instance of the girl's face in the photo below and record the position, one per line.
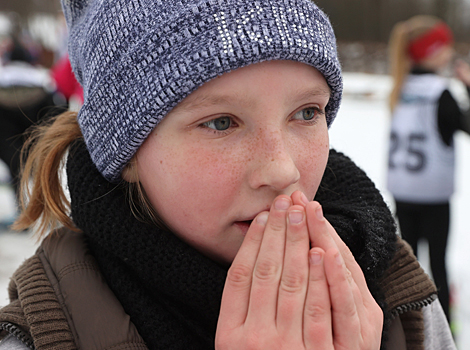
(440, 59)
(225, 152)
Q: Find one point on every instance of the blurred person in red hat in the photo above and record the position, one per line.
(425, 117)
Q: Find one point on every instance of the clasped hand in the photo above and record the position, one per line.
(295, 285)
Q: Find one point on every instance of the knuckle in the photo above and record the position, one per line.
(239, 274)
(266, 270)
(316, 312)
(292, 283)
(277, 225)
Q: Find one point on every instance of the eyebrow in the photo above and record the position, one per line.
(213, 100)
(207, 101)
(301, 95)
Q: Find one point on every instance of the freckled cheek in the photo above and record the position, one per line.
(311, 163)
(207, 174)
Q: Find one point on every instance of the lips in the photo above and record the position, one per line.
(243, 225)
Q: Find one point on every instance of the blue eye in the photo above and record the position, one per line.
(219, 124)
(308, 114)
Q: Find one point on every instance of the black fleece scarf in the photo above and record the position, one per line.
(172, 292)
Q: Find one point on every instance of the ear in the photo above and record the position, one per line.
(129, 173)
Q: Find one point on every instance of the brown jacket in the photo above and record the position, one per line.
(59, 297)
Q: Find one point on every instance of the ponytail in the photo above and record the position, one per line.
(400, 62)
(44, 203)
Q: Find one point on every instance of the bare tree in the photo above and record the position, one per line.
(372, 20)
(26, 8)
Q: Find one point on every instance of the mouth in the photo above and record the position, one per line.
(243, 225)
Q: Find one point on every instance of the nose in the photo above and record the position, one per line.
(272, 162)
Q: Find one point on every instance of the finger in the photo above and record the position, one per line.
(317, 312)
(294, 279)
(363, 306)
(269, 264)
(236, 294)
(370, 315)
(344, 313)
(323, 235)
(360, 289)
(318, 228)
(299, 198)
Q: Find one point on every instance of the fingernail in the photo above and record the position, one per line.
(319, 213)
(282, 204)
(315, 258)
(338, 259)
(262, 218)
(296, 217)
(304, 198)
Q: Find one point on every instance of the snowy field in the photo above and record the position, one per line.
(360, 131)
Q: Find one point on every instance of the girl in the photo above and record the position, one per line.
(201, 144)
(425, 118)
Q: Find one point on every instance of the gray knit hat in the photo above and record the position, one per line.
(137, 59)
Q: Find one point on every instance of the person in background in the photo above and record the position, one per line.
(27, 94)
(425, 117)
(206, 207)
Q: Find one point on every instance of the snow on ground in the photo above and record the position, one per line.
(360, 131)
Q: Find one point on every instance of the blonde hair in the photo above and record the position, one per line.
(43, 202)
(400, 62)
(139, 203)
